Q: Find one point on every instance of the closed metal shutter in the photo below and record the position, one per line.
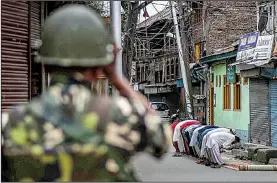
(36, 7)
(259, 112)
(35, 21)
(14, 53)
(273, 110)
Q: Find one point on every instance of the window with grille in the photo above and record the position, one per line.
(226, 94)
(177, 69)
(172, 72)
(142, 74)
(158, 76)
(168, 70)
(161, 76)
(138, 74)
(237, 93)
(198, 8)
(146, 72)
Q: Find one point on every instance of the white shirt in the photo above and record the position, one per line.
(207, 137)
(177, 132)
(217, 130)
(221, 138)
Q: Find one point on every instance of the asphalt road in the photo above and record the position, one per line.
(185, 169)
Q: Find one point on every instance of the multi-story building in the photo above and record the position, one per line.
(242, 93)
(261, 71)
(215, 25)
(210, 25)
(156, 61)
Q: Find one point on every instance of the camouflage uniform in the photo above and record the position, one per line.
(71, 134)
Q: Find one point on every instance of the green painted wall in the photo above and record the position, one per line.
(230, 119)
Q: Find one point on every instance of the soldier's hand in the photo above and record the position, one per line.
(110, 70)
(125, 90)
(122, 85)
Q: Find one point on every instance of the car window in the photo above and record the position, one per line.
(159, 107)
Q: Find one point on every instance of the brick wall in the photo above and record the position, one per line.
(225, 22)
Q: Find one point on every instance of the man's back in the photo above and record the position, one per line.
(222, 138)
(68, 134)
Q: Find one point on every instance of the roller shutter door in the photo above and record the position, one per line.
(14, 53)
(259, 112)
(273, 111)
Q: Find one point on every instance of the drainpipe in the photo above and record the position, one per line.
(258, 168)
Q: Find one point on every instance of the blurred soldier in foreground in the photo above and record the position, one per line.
(70, 133)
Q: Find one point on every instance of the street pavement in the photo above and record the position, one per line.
(185, 169)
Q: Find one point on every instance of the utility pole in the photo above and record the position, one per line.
(184, 39)
(183, 59)
(115, 7)
(115, 15)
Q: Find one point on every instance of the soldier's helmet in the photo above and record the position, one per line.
(75, 36)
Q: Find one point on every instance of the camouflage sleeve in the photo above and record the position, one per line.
(19, 129)
(14, 132)
(143, 130)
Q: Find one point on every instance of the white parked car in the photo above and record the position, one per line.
(161, 109)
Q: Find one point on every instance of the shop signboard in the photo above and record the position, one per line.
(247, 47)
(263, 48)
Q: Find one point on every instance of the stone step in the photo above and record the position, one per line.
(249, 145)
(252, 151)
(264, 155)
(272, 161)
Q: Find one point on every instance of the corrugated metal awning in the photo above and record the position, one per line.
(218, 57)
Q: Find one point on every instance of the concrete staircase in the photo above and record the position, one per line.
(256, 152)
